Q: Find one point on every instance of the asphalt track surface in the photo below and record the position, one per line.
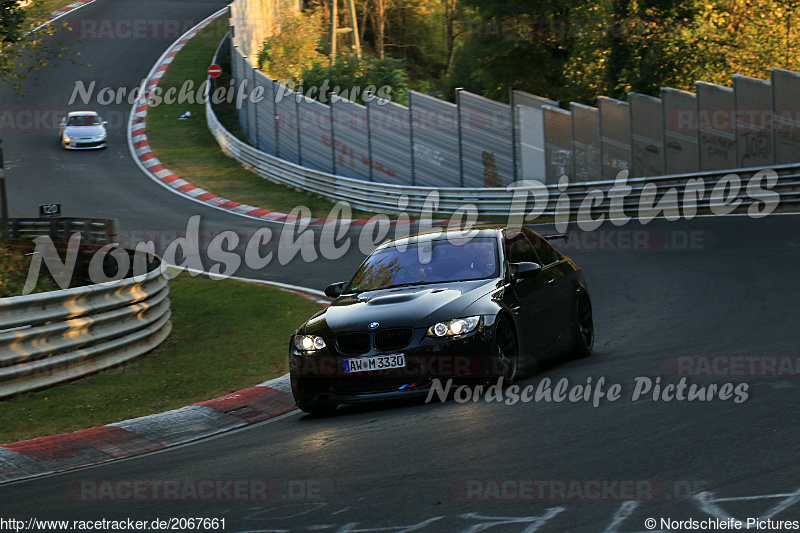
(706, 287)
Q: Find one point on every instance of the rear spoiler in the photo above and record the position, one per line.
(564, 236)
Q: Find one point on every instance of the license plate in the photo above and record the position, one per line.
(381, 362)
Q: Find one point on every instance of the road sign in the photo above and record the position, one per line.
(49, 210)
(214, 71)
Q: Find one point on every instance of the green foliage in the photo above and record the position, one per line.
(14, 266)
(579, 50)
(190, 366)
(293, 48)
(12, 19)
(24, 50)
(415, 34)
(508, 43)
(349, 77)
(490, 68)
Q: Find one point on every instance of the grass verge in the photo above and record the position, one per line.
(188, 149)
(45, 7)
(226, 337)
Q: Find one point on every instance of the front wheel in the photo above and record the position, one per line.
(584, 328)
(506, 352)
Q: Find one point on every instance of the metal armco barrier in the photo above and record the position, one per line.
(94, 231)
(51, 337)
(479, 142)
(384, 197)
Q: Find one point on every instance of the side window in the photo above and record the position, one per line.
(546, 252)
(519, 249)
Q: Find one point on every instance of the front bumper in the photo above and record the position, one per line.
(84, 145)
(319, 378)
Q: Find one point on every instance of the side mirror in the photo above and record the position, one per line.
(524, 270)
(334, 289)
(62, 124)
(104, 123)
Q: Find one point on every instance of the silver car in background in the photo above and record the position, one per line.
(82, 130)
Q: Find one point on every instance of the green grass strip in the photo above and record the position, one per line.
(227, 335)
(188, 149)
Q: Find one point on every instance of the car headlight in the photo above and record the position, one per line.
(458, 326)
(308, 343)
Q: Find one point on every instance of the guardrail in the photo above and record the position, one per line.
(94, 231)
(383, 197)
(51, 337)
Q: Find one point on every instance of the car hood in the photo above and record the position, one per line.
(84, 131)
(416, 306)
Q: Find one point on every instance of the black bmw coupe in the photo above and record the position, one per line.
(470, 304)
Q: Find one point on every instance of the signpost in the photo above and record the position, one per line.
(214, 71)
(49, 210)
(3, 201)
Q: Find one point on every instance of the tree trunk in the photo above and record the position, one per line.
(365, 8)
(449, 28)
(381, 24)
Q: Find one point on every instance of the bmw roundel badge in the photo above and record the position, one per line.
(373, 325)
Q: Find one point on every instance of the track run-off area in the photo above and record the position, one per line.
(712, 299)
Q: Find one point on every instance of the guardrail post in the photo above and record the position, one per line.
(3, 200)
(513, 132)
(54, 223)
(87, 233)
(329, 98)
(369, 142)
(112, 229)
(411, 137)
(333, 131)
(460, 145)
(66, 229)
(255, 108)
(297, 121)
(275, 117)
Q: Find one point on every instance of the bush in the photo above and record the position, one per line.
(294, 49)
(349, 77)
(14, 266)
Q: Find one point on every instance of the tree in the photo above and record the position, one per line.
(349, 77)
(450, 8)
(379, 23)
(26, 42)
(513, 43)
(578, 49)
(655, 43)
(294, 48)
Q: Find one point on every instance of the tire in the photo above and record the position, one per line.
(318, 410)
(506, 352)
(583, 334)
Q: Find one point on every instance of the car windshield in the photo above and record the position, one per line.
(84, 120)
(435, 261)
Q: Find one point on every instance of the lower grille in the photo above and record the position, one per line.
(365, 384)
